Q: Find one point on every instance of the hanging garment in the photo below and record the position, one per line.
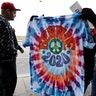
(56, 55)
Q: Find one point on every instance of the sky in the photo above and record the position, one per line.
(46, 7)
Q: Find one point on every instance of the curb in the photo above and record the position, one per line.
(23, 75)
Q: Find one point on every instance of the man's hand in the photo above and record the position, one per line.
(88, 14)
(21, 50)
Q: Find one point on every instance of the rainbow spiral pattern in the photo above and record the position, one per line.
(56, 55)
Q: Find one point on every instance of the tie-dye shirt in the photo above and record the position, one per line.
(56, 55)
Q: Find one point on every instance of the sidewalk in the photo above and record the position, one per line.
(23, 87)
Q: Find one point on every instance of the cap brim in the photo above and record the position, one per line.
(18, 9)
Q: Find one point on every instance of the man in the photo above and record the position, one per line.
(88, 14)
(8, 49)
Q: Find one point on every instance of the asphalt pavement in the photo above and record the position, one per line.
(23, 62)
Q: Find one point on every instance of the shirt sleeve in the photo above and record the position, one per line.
(6, 38)
(26, 41)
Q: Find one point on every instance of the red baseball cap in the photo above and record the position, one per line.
(9, 5)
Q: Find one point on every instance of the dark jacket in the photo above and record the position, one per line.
(7, 42)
